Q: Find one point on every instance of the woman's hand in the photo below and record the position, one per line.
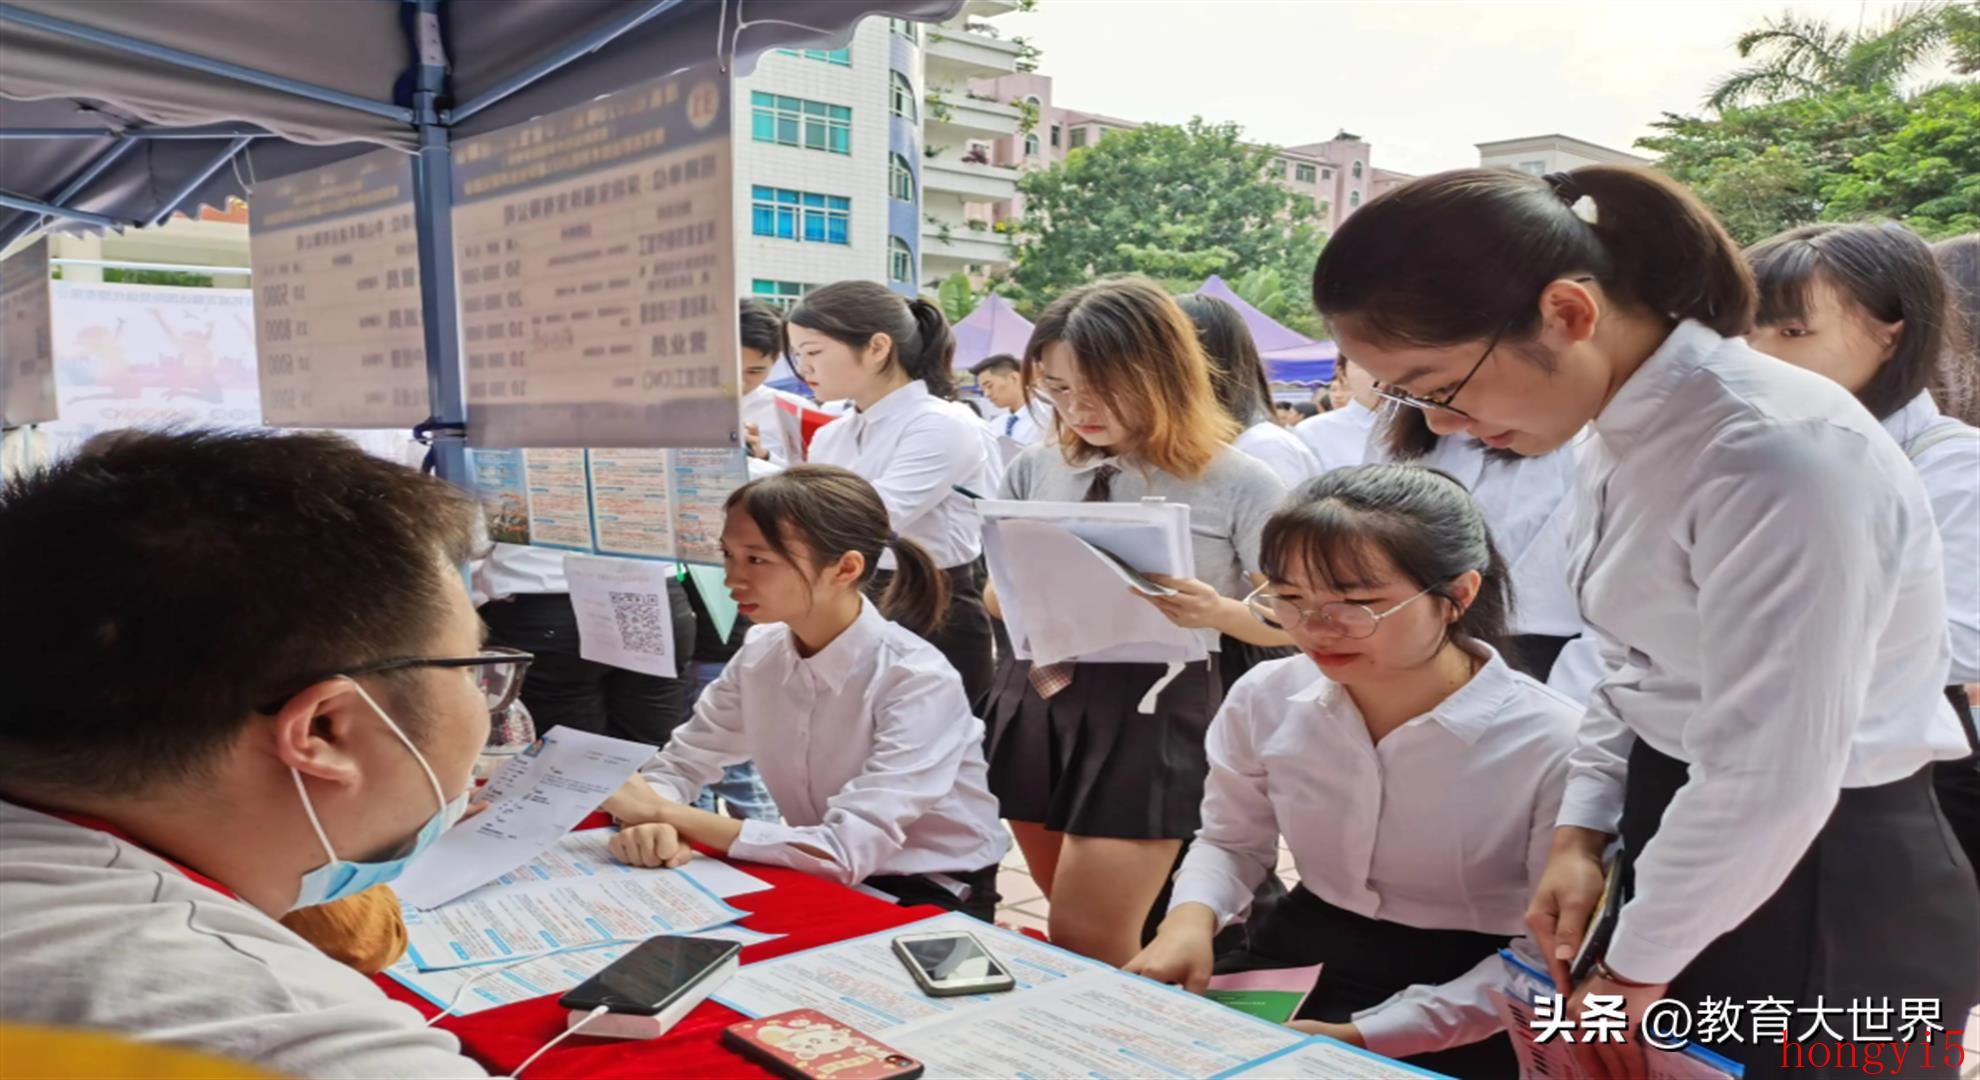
(635, 802)
(1346, 1033)
(1619, 1059)
(652, 845)
(1566, 896)
(1195, 606)
(1181, 954)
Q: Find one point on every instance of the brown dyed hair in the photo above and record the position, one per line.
(831, 511)
(1886, 271)
(1138, 351)
(851, 312)
(1462, 256)
(1956, 383)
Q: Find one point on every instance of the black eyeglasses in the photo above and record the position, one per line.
(1443, 404)
(497, 672)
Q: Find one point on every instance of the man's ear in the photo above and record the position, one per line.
(311, 732)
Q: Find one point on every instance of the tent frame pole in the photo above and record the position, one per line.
(433, 219)
(95, 169)
(562, 58)
(219, 162)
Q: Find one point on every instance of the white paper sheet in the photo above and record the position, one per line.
(585, 855)
(623, 614)
(464, 991)
(1097, 1023)
(1321, 1058)
(1075, 603)
(494, 924)
(535, 800)
(864, 984)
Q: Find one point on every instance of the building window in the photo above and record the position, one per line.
(805, 216)
(778, 294)
(1279, 168)
(789, 121)
(1078, 137)
(904, 98)
(1354, 198)
(1357, 170)
(1031, 145)
(1537, 168)
(1055, 136)
(1303, 173)
(841, 57)
(1326, 174)
(904, 28)
(900, 261)
(900, 178)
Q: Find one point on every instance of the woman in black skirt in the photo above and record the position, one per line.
(1099, 795)
(1760, 562)
(889, 356)
(1413, 773)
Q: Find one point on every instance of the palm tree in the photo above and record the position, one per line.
(1802, 57)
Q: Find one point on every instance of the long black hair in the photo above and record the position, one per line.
(852, 312)
(1886, 271)
(1420, 519)
(1236, 371)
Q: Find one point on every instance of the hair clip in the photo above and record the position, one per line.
(1584, 208)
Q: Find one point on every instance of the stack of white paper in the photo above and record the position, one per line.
(1066, 574)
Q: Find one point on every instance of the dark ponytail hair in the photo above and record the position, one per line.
(1236, 371)
(1886, 270)
(1421, 519)
(1956, 385)
(1462, 256)
(852, 312)
(831, 511)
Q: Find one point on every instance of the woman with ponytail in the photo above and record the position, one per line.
(1760, 563)
(889, 356)
(860, 728)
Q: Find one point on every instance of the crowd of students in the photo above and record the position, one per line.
(1571, 558)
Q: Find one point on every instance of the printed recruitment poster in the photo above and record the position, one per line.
(596, 263)
(27, 339)
(336, 289)
(632, 503)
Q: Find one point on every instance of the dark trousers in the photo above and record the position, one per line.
(964, 638)
(909, 890)
(1366, 961)
(564, 689)
(1958, 784)
(1882, 905)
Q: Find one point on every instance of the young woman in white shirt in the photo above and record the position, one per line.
(772, 437)
(861, 729)
(1339, 437)
(1760, 561)
(890, 356)
(1100, 795)
(1866, 306)
(1413, 773)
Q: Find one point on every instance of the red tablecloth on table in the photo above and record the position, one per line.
(808, 911)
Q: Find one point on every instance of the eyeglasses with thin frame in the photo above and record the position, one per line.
(496, 671)
(1443, 404)
(1347, 620)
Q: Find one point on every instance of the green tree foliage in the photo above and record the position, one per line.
(1287, 298)
(1799, 56)
(1176, 203)
(1927, 173)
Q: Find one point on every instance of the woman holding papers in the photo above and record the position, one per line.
(1100, 795)
(774, 436)
(1865, 305)
(1760, 561)
(1414, 774)
(861, 729)
(890, 357)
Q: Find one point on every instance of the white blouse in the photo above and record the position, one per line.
(1760, 561)
(868, 747)
(1280, 449)
(1445, 824)
(1946, 453)
(1339, 438)
(782, 440)
(916, 449)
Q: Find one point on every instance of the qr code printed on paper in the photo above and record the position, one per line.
(638, 616)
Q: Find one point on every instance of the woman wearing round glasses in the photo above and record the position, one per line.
(1760, 562)
(1414, 774)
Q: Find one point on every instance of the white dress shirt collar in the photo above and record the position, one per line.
(1468, 713)
(1638, 407)
(899, 402)
(841, 658)
(1911, 421)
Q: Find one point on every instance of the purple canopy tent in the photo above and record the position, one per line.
(994, 327)
(1290, 356)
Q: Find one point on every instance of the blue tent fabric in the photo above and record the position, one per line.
(994, 327)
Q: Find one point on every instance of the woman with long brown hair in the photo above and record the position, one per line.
(1100, 796)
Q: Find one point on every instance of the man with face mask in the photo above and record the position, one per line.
(243, 678)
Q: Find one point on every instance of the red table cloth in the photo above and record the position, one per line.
(808, 911)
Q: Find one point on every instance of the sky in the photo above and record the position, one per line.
(1422, 80)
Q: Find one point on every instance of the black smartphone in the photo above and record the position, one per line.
(660, 972)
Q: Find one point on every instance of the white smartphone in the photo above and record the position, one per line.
(947, 964)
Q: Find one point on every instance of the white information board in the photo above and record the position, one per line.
(27, 338)
(630, 503)
(336, 288)
(596, 261)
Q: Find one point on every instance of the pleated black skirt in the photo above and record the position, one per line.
(1085, 762)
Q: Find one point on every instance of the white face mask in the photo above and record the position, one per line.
(340, 878)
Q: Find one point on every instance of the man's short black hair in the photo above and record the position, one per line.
(158, 586)
(1002, 364)
(762, 328)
